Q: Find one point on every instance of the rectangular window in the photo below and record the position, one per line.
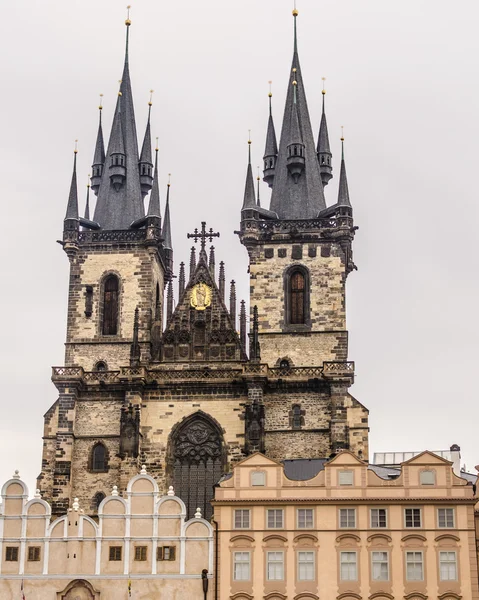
(166, 553)
(379, 518)
(305, 518)
(414, 566)
(380, 566)
(448, 566)
(346, 478)
(275, 518)
(241, 566)
(412, 517)
(140, 553)
(34, 553)
(347, 518)
(242, 518)
(349, 566)
(275, 566)
(427, 478)
(445, 517)
(305, 566)
(115, 552)
(258, 478)
(11, 554)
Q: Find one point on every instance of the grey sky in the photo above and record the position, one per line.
(401, 78)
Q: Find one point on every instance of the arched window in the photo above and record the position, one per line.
(110, 306)
(296, 417)
(97, 500)
(98, 458)
(297, 292)
(101, 366)
(157, 303)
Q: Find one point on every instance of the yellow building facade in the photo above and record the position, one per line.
(346, 533)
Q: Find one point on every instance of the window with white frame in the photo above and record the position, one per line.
(379, 518)
(241, 566)
(412, 517)
(275, 566)
(414, 566)
(242, 518)
(305, 518)
(448, 566)
(258, 478)
(445, 517)
(349, 566)
(427, 478)
(346, 478)
(274, 518)
(305, 566)
(347, 518)
(380, 566)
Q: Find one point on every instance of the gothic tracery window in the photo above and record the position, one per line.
(297, 297)
(110, 306)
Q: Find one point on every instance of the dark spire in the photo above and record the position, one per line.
(87, 203)
(166, 232)
(135, 352)
(233, 303)
(169, 300)
(192, 261)
(72, 206)
(296, 151)
(211, 263)
(249, 195)
(181, 281)
(323, 149)
(303, 199)
(99, 157)
(271, 148)
(146, 162)
(120, 201)
(254, 347)
(154, 205)
(221, 280)
(258, 179)
(343, 195)
(243, 326)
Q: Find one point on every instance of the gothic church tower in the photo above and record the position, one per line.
(181, 389)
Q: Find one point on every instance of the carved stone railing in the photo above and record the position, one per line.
(193, 374)
(300, 225)
(100, 236)
(296, 372)
(66, 373)
(338, 368)
(105, 376)
(255, 369)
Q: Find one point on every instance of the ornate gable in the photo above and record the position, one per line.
(200, 328)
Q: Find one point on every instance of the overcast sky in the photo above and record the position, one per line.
(401, 78)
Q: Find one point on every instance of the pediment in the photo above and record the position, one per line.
(345, 457)
(427, 458)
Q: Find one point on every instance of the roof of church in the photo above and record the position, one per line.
(303, 199)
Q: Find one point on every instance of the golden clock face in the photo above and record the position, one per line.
(200, 296)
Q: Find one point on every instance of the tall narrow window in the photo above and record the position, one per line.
(98, 459)
(297, 417)
(297, 293)
(110, 306)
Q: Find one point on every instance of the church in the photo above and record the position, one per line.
(163, 367)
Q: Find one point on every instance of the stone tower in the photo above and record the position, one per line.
(180, 388)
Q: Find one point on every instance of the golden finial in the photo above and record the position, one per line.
(156, 145)
(128, 22)
(88, 180)
(76, 147)
(249, 137)
(151, 98)
(324, 85)
(270, 92)
(101, 102)
(294, 70)
(169, 179)
(342, 133)
(295, 82)
(258, 178)
(119, 92)
(295, 10)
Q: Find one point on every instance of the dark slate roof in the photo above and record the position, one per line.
(343, 194)
(118, 209)
(99, 157)
(301, 469)
(249, 193)
(146, 148)
(154, 205)
(304, 199)
(271, 148)
(385, 472)
(72, 206)
(166, 231)
(323, 137)
(87, 203)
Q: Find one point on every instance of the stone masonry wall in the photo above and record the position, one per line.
(268, 265)
(297, 444)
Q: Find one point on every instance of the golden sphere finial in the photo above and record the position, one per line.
(169, 179)
(156, 149)
(295, 82)
(151, 98)
(342, 133)
(76, 147)
(270, 90)
(295, 12)
(324, 87)
(128, 22)
(294, 70)
(101, 102)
